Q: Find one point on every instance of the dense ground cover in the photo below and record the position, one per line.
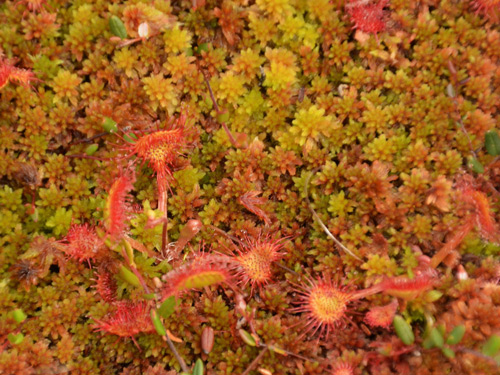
(268, 186)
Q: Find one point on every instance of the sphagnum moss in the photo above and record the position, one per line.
(391, 100)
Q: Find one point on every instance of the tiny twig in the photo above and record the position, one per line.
(318, 219)
(176, 354)
(255, 361)
(217, 109)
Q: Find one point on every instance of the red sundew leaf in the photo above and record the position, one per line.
(253, 264)
(201, 272)
(83, 243)
(117, 207)
(406, 288)
(106, 286)
(127, 320)
(382, 316)
(324, 304)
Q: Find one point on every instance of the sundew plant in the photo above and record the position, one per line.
(249, 187)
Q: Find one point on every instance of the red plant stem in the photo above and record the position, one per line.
(255, 361)
(162, 206)
(366, 292)
(177, 355)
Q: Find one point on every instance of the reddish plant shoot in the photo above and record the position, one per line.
(367, 16)
(9, 73)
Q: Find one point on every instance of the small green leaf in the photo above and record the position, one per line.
(492, 346)
(109, 125)
(167, 307)
(202, 47)
(223, 117)
(449, 353)
(19, 315)
(130, 137)
(155, 318)
(128, 276)
(15, 339)
(91, 149)
(149, 296)
(117, 27)
(476, 165)
(436, 337)
(456, 335)
(492, 143)
(247, 337)
(198, 367)
(433, 295)
(403, 330)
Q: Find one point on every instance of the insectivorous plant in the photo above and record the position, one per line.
(325, 304)
(127, 320)
(117, 205)
(202, 271)
(83, 243)
(255, 258)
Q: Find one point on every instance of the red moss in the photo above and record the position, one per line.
(117, 205)
(367, 16)
(488, 8)
(251, 203)
(9, 73)
(33, 5)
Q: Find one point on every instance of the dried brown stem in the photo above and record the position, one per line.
(254, 363)
(176, 354)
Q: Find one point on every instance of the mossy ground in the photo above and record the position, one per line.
(380, 113)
